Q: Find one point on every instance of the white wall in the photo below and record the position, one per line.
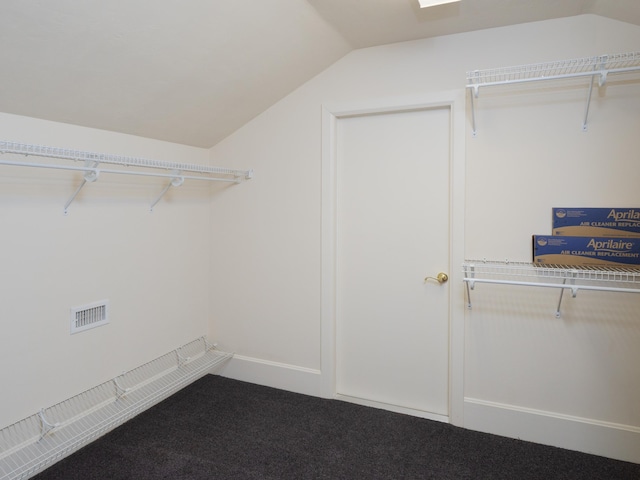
(524, 369)
(153, 267)
(244, 263)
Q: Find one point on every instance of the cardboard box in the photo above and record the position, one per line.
(596, 222)
(569, 250)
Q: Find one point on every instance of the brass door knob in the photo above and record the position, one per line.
(441, 278)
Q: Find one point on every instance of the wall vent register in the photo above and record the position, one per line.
(89, 316)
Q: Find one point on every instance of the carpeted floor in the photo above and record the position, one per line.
(219, 428)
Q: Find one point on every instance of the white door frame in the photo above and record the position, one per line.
(455, 101)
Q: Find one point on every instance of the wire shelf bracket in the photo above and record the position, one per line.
(176, 181)
(599, 67)
(603, 279)
(120, 390)
(46, 427)
(92, 169)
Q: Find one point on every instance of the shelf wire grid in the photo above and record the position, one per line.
(121, 160)
(586, 66)
(38, 441)
(483, 269)
(599, 278)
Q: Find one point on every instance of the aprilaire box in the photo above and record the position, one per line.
(568, 250)
(597, 222)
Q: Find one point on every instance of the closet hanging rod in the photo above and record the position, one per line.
(78, 155)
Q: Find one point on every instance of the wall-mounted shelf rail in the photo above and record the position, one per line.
(177, 173)
(595, 67)
(605, 279)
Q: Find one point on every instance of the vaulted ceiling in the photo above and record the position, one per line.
(193, 71)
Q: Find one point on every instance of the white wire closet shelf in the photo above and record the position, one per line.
(598, 66)
(33, 444)
(599, 278)
(92, 168)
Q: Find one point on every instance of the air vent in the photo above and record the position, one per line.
(89, 316)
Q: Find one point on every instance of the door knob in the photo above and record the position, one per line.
(441, 278)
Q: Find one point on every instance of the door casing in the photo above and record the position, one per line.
(331, 114)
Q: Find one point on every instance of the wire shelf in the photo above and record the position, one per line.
(494, 269)
(587, 66)
(598, 66)
(79, 155)
(33, 444)
(599, 278)
(93, 162)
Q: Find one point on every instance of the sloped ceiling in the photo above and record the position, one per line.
(193, 71)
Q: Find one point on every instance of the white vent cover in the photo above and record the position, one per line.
(89, 316)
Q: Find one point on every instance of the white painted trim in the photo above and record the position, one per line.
(328, 255)
(456, 257)
(613, 440)
(273, 374)
(393, 408)
(455, 100)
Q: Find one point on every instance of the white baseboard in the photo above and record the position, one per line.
(273, 374)
(301, 380)
(621, 442)
(393, 408)
(612, 440)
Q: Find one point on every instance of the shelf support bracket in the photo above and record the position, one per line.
(45, 426)
(181, 360)
(564, 281)
(91, 175)
(209, 346)
(602, 80)
(175, 182)
(574, 292)
(247, 176)
(473, 93)
(469, 283)
(120, 390)
(586, 109)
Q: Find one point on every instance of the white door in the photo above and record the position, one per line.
(392, 231)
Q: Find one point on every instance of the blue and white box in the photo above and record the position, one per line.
(569, 250)
(596, 222)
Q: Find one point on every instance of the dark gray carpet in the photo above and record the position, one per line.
(219, 428)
